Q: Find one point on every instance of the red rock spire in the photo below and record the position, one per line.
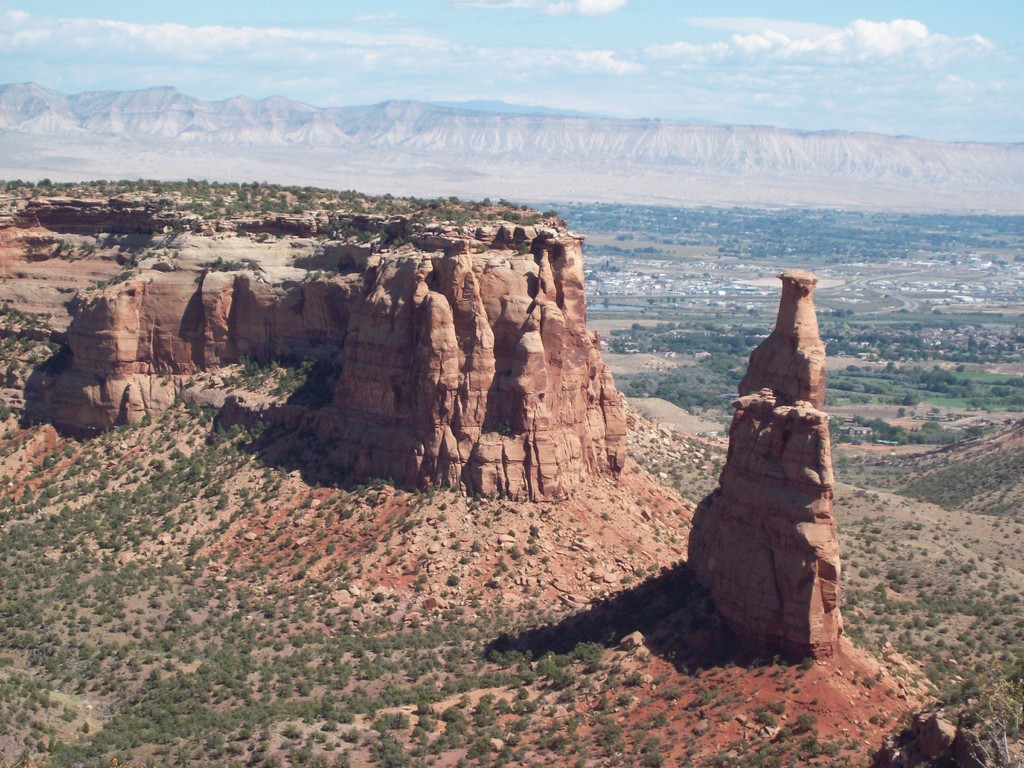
(791, 361)
(765, 541)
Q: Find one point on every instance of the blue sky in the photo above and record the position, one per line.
(932, 68)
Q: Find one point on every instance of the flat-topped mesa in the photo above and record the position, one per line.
(482, 369)
(791, 361)
(765, 541)
(464, 356)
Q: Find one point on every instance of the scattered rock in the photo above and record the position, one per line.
(124, 558)
(574, 600)
(931, 740)
(434, 603)
(343, 598)
(631, 641)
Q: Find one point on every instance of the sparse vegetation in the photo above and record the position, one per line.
(177, 593)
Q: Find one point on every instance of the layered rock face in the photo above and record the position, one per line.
(765, 541)
(495, 382)
(464, 356)
(113, 215)
(134, 344)
(128, 215)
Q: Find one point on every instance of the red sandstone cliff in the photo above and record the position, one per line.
(115, 215)
(494, 380)
(464, 355)
(765, 541)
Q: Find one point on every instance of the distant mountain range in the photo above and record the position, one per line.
(490, 149)
(503, 107)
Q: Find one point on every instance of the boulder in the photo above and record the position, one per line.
(632, 641)
(935, 735)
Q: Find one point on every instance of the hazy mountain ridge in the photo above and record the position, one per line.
(472, 143)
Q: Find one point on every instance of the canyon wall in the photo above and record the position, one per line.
(463, 352)
(765, 541)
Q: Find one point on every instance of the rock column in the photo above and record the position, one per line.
(765, 541)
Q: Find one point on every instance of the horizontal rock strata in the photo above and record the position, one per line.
(464, 355)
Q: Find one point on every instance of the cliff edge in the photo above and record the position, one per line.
(461, 350)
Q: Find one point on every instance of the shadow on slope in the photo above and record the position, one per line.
(284, 435)
(672, 610)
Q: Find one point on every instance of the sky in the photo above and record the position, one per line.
(941, 69)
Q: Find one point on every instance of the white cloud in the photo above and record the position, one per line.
(550, 7)
(860, 41)
(345, 64)
(590, 7)
(111, 37)
(533, 64)
(604, 61)
(893, 76)
(357, 63)
(753, 24)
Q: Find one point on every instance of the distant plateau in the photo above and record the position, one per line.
(428, 150)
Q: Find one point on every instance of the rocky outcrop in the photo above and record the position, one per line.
(282, 225)
(464, 357)
(931, 740)
(765, 540)
(498, 385)
(134, 344)
(112, 216)
(791, 361)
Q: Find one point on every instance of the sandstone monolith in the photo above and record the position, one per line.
(765, 541)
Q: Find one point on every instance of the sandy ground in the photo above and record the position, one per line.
(613, 321)
(839, 363)
(663, 412)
